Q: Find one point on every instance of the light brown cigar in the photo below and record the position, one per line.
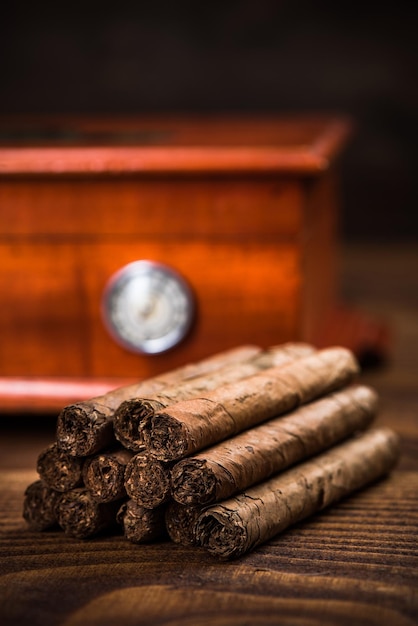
(235, 526)
(131, 415)
(104, 474)
(180, 522)
(189, 426)
(80, 516)
(147, 481)
(258, 453)
(39, 506)
(140, 524)
(58, 469)
(85, 428)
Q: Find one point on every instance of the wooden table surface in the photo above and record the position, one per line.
(355, 563)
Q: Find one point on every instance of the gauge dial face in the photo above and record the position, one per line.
(148, 307)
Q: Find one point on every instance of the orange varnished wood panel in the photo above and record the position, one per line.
(320, 255)
(137, 207)
(42, 324)
(62, 331)
(45, 395)
(244, 294)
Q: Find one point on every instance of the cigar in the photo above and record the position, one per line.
(187, 427)
(258, 453)
(82, 517)
(86, 427)
(237, 525)
(147, 481)
(39, 506)
(58, 469)
(131, 415)
(140, 524)
(180, 522)
(104, 474)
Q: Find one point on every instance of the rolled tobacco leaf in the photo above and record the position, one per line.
(140, 524)
(235, 526)
(189, 426)
(258, 453)
(58, 469)
(86, 427)
(39, 506)
(180, 522)
(147, 481)
(131, 415)
(104, 474)
(81, 516)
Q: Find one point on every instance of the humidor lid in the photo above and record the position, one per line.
(172, 145)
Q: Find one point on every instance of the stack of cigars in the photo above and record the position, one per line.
(222, 454)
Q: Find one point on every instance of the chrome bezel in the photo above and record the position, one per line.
(168, 284)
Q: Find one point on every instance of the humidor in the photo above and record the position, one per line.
(232, 220)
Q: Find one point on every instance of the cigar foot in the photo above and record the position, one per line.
(58, 469)
(147, 481)
(128, 421)
(224, 535)
(80, 516)
(165, 437)
(39, 506)
(140, 524)
(83, 429)
(193, 481)
(104, 475)
(180, 522)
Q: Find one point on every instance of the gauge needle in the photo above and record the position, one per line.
(147, 309)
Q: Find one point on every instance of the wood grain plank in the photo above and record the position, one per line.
(334, 562)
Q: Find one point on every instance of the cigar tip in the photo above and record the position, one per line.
(366, 396)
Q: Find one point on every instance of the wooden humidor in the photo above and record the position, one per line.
(245, 210)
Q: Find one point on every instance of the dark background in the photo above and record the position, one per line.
(358, 59)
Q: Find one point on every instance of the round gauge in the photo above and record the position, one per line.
(148, 307)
